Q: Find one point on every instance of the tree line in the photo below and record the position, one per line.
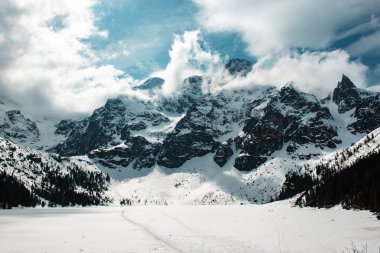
(75, 187)
(357, 186)
(354, 185)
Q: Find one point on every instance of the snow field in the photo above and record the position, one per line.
(275, 227)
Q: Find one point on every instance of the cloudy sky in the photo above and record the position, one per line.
(61, 56)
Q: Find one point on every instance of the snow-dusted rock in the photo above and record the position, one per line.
(366, 106)
(151, 83)
(15, 126)
(223, 153)
(109, 126)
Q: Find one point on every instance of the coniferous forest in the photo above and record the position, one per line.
(14, 193)
(294, 184)
(55, 189)
(356, 186)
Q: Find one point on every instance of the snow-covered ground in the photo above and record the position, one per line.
(275, 227)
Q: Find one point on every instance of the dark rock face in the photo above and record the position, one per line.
(194, 134)
(366, 106)
(141, 125)
(246, 162)
(96, 133)
(209, 118)
(346, 95)
(315, 128)
(290, 117)
(65, 127)
(239, 67)
(17, 127)
(367, 114)
(136, 149)
(223, 153)
(177, 149)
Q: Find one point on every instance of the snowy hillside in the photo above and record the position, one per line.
(342, 159)
(350, 179)
(51, 178)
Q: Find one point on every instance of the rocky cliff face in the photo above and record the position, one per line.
(193, 136)
(211, 119)
(365, 105)
(136, 150)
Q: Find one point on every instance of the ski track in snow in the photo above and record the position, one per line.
(193, 241)
(151, 233)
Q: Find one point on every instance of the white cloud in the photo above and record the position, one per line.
(45, 62)
(187, 58)
(273, 29)
(317, 72)
(274, 25)
(369, 44)
(371, 25)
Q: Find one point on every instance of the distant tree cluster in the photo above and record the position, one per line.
(62, 189)
(294, 184)
(125, 202)
(14, 193)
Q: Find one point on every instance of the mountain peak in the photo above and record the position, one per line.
(290, 88)
(289, 85)
(346, 95)
(151, 83)
(239, 66)
(346, 83)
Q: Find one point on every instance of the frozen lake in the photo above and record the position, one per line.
(275, 227)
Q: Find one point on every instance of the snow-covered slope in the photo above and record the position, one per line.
(370, 143)
(53, 179)
(274, 227)
(200, 182)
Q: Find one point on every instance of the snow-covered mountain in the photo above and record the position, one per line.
(251, 124)
(20, 126)
(198, 147)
